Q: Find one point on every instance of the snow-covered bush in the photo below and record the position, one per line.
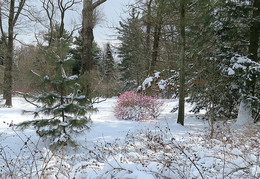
(137, 106)
(158, 153)
(154, 153)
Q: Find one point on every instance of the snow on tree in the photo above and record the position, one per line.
(241, 71)
(160, 82)
(60, 108)
(244, 114)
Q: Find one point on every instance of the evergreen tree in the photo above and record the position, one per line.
(76, 53)
(109, 76)
(63, 107)
(131, 52)
(60, 105)
(229, 24)
(108, 62)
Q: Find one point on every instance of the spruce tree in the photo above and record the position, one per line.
(109, 77)
(61, 109)
(109, 62)
(76, 53)
(133, 64)
(227, 39)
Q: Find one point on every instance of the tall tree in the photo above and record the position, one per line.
(148, 24)
(254, 38)
(14, 12)
(132, 51)
(158, 25)
(224, 67)
(109, 62)
(87, 33)
(182, 63)
(60, 95)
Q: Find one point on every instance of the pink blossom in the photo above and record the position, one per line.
(137, 106)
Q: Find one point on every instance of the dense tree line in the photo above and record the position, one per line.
(204, 51)
(212, 45)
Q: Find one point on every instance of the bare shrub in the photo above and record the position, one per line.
(158, 154)
(149, 153)
(32, 161)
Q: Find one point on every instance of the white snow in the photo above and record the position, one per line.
(231, 71)
(236, 151)
(243, 59)
(157, 74)
(162, 84)
(73, 77)
(147, 82)
(127, 157)
(244, 114)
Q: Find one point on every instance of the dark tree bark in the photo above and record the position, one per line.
(181, 110)
(9, 41)
(87, 33)
(148, 32)
(254, 39)
(156, 37)
(155, 53)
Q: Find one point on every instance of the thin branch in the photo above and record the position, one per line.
(1, 28)
(20, 8)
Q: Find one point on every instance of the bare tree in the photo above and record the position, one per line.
(55, 12)
(65, 5)
(49, 8)
(13, 11)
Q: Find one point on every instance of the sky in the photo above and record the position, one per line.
(112, 11)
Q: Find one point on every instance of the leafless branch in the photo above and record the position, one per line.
(97, 3)
(20, 8)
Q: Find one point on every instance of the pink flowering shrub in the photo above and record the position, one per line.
(137, 106)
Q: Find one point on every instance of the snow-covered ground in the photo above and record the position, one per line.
(114, 148)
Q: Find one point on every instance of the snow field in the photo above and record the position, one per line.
(130, 149)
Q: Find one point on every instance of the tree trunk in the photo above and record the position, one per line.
(155, 53)
(87, 34)
(87, 61)
(148, 34)
(14, 12)
(156, 37)
(180, 119)
(8, 79)
(254, 39)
